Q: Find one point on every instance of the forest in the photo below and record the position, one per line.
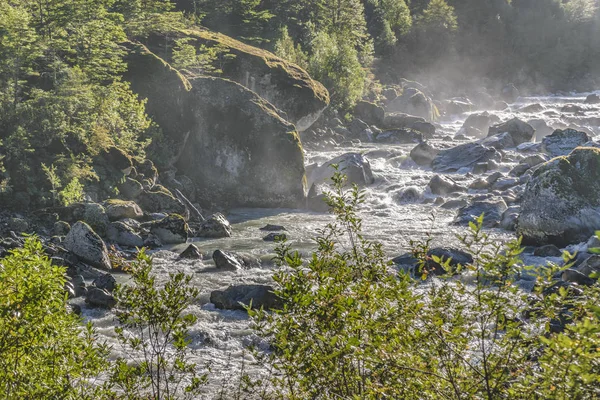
(434, 162)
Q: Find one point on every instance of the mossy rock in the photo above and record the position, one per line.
(287, 86)
(159, 201)
(170, 230)
(242, 152)
(561, 203)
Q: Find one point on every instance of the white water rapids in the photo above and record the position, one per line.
(221, 337)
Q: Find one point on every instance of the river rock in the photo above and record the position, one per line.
(259, 295)
(541, 128)
(191, 253)
(61, 228)
(216, 226)
(500, 141)
(477, 125)
(465, 155)
(574, 276)
(509, 218)
(442, 186)
(520, 131)
(414, 102)
(235, 146)
(357, 127)
(369, 112)
(106, 282)
(274, 237)
(590, 265)
(119, 209)
(424, 154)
(273, 228)
(493, 209)
(458, 106)
(562, 142)
(399, 136)
(405, 121)
(170, 230)
(456, 257)
(548, 250)
(354, 165)
(411, 194)
(231, 261)
(124, 235)
(78, 282)
(592, 99)
(534, 108)
(87, 246)
(100, 298)
(561, 202)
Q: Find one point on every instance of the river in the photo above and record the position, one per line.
(222, 337)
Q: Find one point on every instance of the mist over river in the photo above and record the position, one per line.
(221, 337)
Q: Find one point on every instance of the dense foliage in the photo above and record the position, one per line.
(352, 328)
(45, 352)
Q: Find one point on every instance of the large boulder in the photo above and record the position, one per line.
(463, 156)
(87, 246)
(170, 230)
(405, 121)
(283, 84)
(477, 125)
(354, 165)
(492, 209)
(122, 234)
(520, 131)
(216, 226)
(561, 203)
(231, 261)
(592, 99)
(424, 154)
(119, 209)
(232, 143)
(562, 142)
(442, 186)
(414, 102)
(241, 151)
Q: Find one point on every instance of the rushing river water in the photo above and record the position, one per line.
(221, 337)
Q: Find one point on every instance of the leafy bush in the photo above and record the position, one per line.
(45, 353)
(335, 63)
(154, 333)
(351, 328)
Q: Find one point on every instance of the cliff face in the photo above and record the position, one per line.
(283, 84)
(232, 143)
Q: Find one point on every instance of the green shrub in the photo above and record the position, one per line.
(351, 328)
(45, 352)
(153, 331)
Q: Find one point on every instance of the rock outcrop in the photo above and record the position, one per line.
(561, 203)
(232, 143)
(283, 84)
